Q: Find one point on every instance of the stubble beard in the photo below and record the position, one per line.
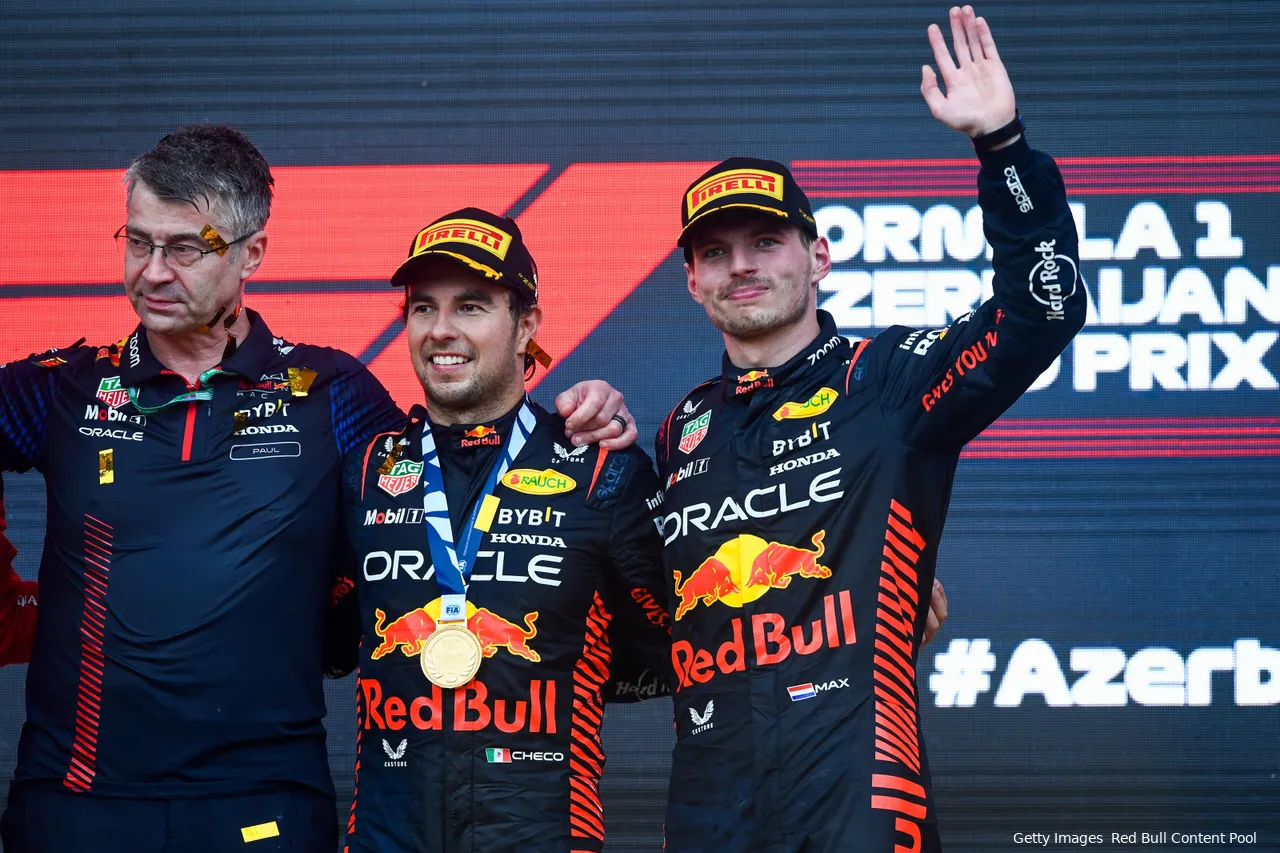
(474, 394)
(757, 322)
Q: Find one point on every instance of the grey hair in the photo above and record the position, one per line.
(214, 163)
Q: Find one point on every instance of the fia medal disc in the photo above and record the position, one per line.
(451, 656)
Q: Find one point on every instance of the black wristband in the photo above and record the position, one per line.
(984, 142)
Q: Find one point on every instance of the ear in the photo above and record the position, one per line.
(693, 283)
(253, 251)
(820, 251)
(527, 327)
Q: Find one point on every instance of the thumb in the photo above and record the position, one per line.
(929, 89)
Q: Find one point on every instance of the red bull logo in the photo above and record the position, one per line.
(481, 436)
(410, 631)
(745, 568)
(110, 392)
(404, 476)
(472, 708)
(768, 640)
(753, 379)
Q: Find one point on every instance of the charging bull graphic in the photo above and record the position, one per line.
(411, 630)
(745, 568)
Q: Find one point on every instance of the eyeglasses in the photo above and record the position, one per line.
(176, 254)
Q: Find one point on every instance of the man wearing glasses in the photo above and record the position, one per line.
(174, 695)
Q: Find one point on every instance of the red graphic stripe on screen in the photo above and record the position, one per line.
(83, 763)
(1083, 176)
(1120, 438)
(328, 223)
(347, 321)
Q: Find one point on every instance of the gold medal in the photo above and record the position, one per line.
(451, 655)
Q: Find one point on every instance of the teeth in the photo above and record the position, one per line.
(448, 359)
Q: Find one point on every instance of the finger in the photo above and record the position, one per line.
(971, 35)
(959, 42)
(985, 39)
(629, 437)
(607, 403)
(590, 399)
(929, 89)
(931, 627)
(938, 602)
(613, 405)
(611, 430)
(567, 402)
(941, 55)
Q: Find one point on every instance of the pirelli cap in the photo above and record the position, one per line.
(745, 183)
(480, 241)
(483, 243)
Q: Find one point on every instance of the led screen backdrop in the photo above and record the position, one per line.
(1112, 661)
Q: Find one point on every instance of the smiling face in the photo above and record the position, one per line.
(174, 300)
(755, 274)
(467, 348)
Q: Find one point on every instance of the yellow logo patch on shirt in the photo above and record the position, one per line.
(545, 482)
(811, 408)
(260, 831)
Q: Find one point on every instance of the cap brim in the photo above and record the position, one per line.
(404, 273)
(773, 211)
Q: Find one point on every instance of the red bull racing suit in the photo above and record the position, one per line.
(803, 507)
(569, 570)
(185, 580)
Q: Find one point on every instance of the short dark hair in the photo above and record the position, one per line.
(806, 239)
(215, 163)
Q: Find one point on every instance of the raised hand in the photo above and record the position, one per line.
(979, 96)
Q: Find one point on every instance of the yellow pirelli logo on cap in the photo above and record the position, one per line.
(495, 241)
(753, 181)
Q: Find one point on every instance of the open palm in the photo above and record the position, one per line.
(979, 96)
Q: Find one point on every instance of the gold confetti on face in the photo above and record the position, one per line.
(106, 467)
(214, 239)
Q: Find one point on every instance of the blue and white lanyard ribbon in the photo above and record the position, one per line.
(453, 565)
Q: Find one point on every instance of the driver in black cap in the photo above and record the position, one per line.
(508, 578)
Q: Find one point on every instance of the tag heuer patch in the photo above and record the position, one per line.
(693, 433)
(404, 476)
(110, 392)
